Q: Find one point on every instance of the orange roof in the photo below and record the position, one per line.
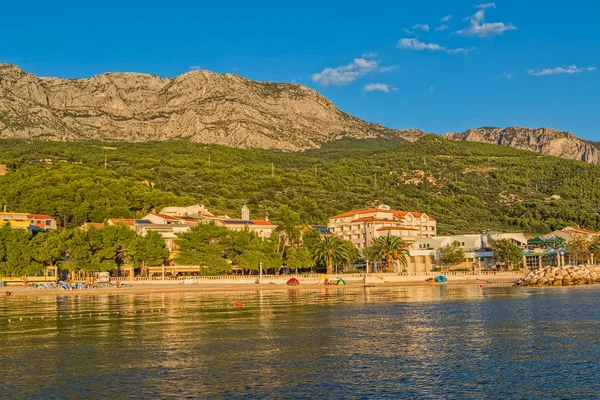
(396, 228)
(126, 221)
(39, 216)
(94, 224)
(261, 222)
(168, 217)
(581, 230)
(354, 212)
(395, 213)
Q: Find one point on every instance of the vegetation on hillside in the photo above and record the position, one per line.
(467, 187)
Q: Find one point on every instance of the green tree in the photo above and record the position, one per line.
(372, 255)
(350, 254)
(506, 253)
(311, 239)
(50, 249)
(250, 251)
(329, 251)
(298, 258)
(17, 260)
(580, 249)
(147, 251)
(205, 245)
(451, 255)
(392, 249)
(287, 226)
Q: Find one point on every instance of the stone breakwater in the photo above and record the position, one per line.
(561, 276)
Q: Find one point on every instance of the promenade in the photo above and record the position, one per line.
(273, 282)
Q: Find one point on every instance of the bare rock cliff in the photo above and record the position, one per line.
(543, 140)
(200, 106)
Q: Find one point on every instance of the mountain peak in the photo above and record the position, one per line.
(543, 140)
(198, 105)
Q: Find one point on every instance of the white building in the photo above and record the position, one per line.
(362, 226)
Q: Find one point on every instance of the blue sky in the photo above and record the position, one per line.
(530, 63)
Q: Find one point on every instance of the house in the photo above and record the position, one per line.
(195, 210)
(130, 222)
(164, 219)
(16, 220)
(571, 232)
(42, 221)
(167, 231)
(263, 228)
(362, 226)
(475, 246)
(87, 225)
(323, 231)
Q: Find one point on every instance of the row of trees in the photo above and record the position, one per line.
(91, 250)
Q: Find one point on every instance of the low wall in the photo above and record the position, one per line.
(311, 279)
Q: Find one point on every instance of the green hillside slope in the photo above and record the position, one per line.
(466, 186)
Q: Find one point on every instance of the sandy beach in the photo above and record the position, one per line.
(141, 288)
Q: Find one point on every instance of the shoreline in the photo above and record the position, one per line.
(140, 288)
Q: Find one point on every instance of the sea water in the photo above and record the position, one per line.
(341, 342)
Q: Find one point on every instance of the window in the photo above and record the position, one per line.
(51, 272)
(38, 222)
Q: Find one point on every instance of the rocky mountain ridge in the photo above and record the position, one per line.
(542, 140)
(199, 106)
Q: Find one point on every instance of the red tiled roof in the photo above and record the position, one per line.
(354, 212)
(39, 216)
(581, 230)
(168, 217)
(395, 213)
(126, 221)
(261, 222)
(94, 224)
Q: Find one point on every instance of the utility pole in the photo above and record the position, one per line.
(272, 170)
(105, 161)
(209, 161)
(375, 181)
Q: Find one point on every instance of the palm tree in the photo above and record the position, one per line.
(393, 249)
(372, 255)
(329, 251)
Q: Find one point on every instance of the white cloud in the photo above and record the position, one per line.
(423, 27)
(485, 5)
(417, 45)
(195, 67)
(446, 18)
(345, 74)
(460, 50)
(442, 28)
(478, 26)
(388, 69)
(508, 75)
(369, 55)
(381, 87)
(569, 69)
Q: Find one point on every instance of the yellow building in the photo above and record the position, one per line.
(16, 220)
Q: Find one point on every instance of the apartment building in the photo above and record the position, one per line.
(362, 226)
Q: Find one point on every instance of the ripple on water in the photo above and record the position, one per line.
(425, 342)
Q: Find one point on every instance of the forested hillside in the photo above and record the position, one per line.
(467, 187)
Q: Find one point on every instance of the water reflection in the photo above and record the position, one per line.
(433, 342)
